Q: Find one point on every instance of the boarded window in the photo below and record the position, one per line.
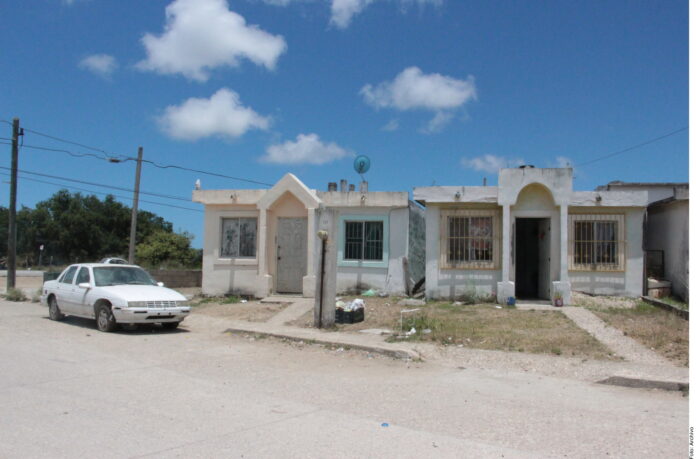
(469, 239)
(238, 238)
(364, 240)
(595, 242)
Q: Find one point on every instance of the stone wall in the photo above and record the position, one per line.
(173, 278)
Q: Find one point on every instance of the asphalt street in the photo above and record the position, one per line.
(67, 390)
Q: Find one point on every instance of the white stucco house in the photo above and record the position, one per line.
(532, 236)
(263, 241)
(666, 233)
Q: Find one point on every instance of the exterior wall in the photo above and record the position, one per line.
(624, 283)
(450, 283)
(668, 230)
(360, 275)
(225, 275)
(416, 242)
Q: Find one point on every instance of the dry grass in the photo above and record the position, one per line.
(482, 326)
(664, 332)
(250, 311)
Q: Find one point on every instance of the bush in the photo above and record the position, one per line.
(15, 294)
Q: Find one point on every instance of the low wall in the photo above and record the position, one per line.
(174, 278)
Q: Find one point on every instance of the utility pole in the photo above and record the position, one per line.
(134, 214)
(12, 220)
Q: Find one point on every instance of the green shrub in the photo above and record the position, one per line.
(15, 294)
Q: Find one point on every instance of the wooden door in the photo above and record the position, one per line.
(291, 252)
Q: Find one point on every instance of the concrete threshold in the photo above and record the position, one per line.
(645, 383)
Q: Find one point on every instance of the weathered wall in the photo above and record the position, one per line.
(668, 230)
(416, 241)
(628, 282)
(173, 278)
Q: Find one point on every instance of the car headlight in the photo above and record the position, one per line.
(137, 304)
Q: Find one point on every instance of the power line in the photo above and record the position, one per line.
(633, 147)
(104, 194)
(84, 182)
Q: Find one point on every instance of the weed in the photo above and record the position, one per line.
(555, 350)
(15, 294)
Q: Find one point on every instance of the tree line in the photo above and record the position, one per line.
(73, 227)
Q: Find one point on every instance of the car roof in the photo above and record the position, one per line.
(105, 265)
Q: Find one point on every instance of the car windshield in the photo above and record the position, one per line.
(121, 275)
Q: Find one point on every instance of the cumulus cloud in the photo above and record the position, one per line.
(200, 35)
(102, 65)
(414, 90)
(343, 11)
(222, 115)
(490, 163)
(306, 149)
(392, 125)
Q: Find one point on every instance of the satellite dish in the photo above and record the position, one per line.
(361, 164)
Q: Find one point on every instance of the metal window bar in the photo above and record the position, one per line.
(470, 239)
(596, 245)
(364, 240)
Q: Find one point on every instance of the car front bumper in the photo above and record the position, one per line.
(150, 315)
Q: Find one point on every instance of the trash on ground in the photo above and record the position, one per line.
(498, 307)
(369, 292)
(382, 294)
(385, 424)
(427, 331)
(411, 302)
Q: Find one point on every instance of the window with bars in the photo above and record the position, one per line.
(469, 239)
(238, 238)
(364, 240)
(596, 243)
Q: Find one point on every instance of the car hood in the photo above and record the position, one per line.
(142, 293)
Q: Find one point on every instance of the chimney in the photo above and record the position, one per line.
(363, 186)
(351, 187)
(332, 186)
(344, 185)
(484, 181)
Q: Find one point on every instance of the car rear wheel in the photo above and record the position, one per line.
(53, 310)
(105, 319)
(170, 325)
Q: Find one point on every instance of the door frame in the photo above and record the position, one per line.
(539, 216)
(304, 253)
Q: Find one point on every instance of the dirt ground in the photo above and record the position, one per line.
(481, 326)
(251, 311)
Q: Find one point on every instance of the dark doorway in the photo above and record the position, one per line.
(532, 258)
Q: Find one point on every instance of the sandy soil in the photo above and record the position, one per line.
(251, 311)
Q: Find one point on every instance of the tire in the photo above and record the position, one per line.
(170, 325)
(53, 309)
(105, 319)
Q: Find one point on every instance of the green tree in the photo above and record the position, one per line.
(167, 249)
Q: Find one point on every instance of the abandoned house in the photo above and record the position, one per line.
(263, 241)
(532, 236)
(666, 236)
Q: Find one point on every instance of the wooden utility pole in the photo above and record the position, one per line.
(134, 214)
(12, 220)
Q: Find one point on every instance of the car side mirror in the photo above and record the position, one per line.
(160, 284)
(83, 285)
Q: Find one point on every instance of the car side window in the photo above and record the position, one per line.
(82, 276)
(68, 276)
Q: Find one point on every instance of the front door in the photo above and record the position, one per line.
(532, 258)
(292, 254)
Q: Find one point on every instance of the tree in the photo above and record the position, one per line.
(166, 248)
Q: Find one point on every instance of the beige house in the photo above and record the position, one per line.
(259, 242)
(532, 236)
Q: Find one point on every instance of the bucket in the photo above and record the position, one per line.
(511, 301)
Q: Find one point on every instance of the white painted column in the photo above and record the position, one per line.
(564, 243)
(506, 243)
(311, 236)
(261, 242)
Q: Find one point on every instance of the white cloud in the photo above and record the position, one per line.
(342, 11)
(414, 90)
(200, 35)
(490, 163)
(223, 115)
(392, 125)
(307, 149)
(99, 64)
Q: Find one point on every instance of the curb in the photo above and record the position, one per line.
(398, 354)
(645, 383)
(684, 314)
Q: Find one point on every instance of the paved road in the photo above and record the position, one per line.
(67, 390)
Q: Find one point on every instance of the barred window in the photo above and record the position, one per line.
(364, 240)
(595, 242)
(238, 238)
(469, 239)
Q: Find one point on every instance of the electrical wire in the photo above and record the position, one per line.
(84, 182)
(103, 193)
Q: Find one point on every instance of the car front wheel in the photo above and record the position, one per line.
(53, 310)
(105, 319)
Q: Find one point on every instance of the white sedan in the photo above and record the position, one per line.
(113, 294)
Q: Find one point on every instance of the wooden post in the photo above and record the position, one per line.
(134, 211)
(12, 219)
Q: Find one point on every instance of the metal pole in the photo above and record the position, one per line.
(134, 214)
(12, 220)
(321, 284)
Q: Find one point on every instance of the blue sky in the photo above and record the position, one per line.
(433, 91)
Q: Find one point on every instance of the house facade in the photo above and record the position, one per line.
(532, 236)
(258, 242)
